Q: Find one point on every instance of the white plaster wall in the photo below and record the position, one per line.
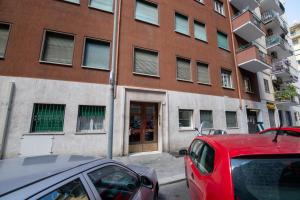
(29, 91)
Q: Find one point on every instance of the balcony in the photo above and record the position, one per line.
(284, 70)
(245, 4)
(295, 34)
(285, 100)
(279, 47)
(247, 26)
(273, 21)
(275, 5)
(250, 58)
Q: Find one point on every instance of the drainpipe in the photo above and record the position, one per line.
(234, 55)
(112, 79)
(6, 113)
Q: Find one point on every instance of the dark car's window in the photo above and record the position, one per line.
(71, 191)
(266, 178)
(207, 157)
(114, 183)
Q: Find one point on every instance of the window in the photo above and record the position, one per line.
(58, 48)
(146, 62)
(203, 73)
(90, 118)
(295, 41)
(72, 190)
(231, 119)
(200, 1)
(267, 88)
(247, 82)
(194, 151)
(113, 182)
(299, 62)
(206, 116)
(222, 40)
(200, 31)
(185, 118)
(73, 1)
(4, 32)
(106, 5)
(226, 79)
(184, 69)
(219, 7)
(96, 54)
(182, 24)
(207, 157)
(146, 11)
(48, 118)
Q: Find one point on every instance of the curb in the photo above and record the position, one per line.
(170, 180)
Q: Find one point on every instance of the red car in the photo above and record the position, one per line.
(243, 167)
(291, 131)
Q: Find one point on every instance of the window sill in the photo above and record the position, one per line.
(204, 41)
(220, 14)
(228, 88)
(70, 2)
(227, 50)
(96, 68)
(99, 9)
(187, 81)
(45, 133)
(206, 84)
(147, 75)
(53, 63)
(98, 132)
(183, 34)
(145, 22)
(186, 129)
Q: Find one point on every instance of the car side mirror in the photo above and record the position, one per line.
(183, 152)
(146, 182)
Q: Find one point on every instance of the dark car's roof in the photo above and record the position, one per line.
(19, 172)
(246, 144)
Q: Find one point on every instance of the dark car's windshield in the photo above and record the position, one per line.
(266, 178)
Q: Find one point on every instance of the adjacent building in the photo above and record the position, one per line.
(295, 36)
(178, 64)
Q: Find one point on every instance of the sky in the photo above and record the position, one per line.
(292, 10)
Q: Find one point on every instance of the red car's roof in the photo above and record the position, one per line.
(246, 144)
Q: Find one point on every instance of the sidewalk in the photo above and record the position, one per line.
(169, 168)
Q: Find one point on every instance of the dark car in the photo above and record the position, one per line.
(75, 178)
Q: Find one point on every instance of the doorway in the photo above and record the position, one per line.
(272, 118)
(252, 121)
(143, 127)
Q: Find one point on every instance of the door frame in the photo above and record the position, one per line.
(148, 96)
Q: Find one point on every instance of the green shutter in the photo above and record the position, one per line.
(222, 40)
(200, 31)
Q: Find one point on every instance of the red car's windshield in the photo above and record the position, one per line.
(266, 178)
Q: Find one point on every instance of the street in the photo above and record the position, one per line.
(175, 191)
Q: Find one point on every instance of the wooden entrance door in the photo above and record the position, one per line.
(143, 127)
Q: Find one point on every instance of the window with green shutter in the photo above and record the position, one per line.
(146, 62)
(146, 11)
(200, 31)
(96, 54)
(182, 24)
(90, 118)
(48, 118)
(184, 69)
(106, 5)
(4, 31)
(222, 40)
(58, 48)
(203, 73)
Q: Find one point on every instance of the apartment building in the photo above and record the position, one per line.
(178, 64)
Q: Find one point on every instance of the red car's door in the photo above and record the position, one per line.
(191, 168)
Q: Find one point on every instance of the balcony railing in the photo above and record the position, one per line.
(274, 40)
(259, 54)
(271, 15)
(282, 66)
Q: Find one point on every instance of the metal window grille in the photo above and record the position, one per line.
(231, 119)
(90, 118)
(146, 62)
(48, 118)
(207, 117)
